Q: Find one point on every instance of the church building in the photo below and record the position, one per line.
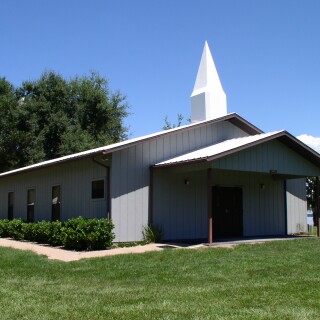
(218, 177)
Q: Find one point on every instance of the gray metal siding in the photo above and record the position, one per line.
(263, 208)
(296, 205)
(75, 180)
(272, 155)
(181, 211)
(130, 173)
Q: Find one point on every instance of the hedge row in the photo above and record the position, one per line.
(74, 234)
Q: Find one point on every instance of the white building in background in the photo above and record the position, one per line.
(219, 177)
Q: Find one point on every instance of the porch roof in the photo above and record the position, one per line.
(231, 146)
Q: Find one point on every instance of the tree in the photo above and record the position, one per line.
(168, 125)
(53, 117)
(8, 123)
(313, 197)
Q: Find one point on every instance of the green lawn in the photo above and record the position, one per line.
(279, 280)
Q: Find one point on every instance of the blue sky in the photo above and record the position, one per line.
(267, 53)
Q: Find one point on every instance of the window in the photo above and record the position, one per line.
(30, 205)
(97, 189)
(10, 205)
(56, 203)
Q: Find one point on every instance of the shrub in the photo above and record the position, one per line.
(75, 234)
(87, 234)
(55, 234)
(16, 229)
(4, 228)
(151, 234)
(28, 229)
(41, 231)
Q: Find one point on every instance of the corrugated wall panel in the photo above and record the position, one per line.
(129, 176)
(127, 187)
(181, 210)
(271, 155)
(263, 208)
(139, 196)
(296, 205)
(75, 180)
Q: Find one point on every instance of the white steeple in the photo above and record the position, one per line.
(208, 100)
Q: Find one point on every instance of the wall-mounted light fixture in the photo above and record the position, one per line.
(262, 186)
(187, 182)
(273, 171)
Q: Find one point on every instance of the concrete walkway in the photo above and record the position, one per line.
(67, 255)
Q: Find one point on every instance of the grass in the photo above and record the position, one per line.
(315, 231)
(278, 280)
(129, 244)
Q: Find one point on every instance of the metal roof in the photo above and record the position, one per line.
(227, 147)
(232, 118)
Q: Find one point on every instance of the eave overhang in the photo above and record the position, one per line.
(232, 118)
(232, 146)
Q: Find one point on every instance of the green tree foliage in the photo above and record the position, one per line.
(8, 123)
(313, 197)
(52, 117)
(168, 125)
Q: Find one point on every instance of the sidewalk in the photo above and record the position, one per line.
(67, 255)
(56, 253)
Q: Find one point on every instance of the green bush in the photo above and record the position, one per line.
(4, 228)
(87, 234)
(75, 234)
(40, 231)
(16, 229)
(151, 234)
(28, 231)
(55, 234)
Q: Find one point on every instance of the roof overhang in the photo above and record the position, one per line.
(232, 118)
(232, 146)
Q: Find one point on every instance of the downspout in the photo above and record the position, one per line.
(209, 205)
(150, 211)
(108, 200)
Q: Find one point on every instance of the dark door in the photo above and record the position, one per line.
(227, 212)
(56, 203)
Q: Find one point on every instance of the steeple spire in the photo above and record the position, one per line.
(208, 100)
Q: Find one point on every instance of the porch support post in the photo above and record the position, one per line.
(209, 195)
(108, 194)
